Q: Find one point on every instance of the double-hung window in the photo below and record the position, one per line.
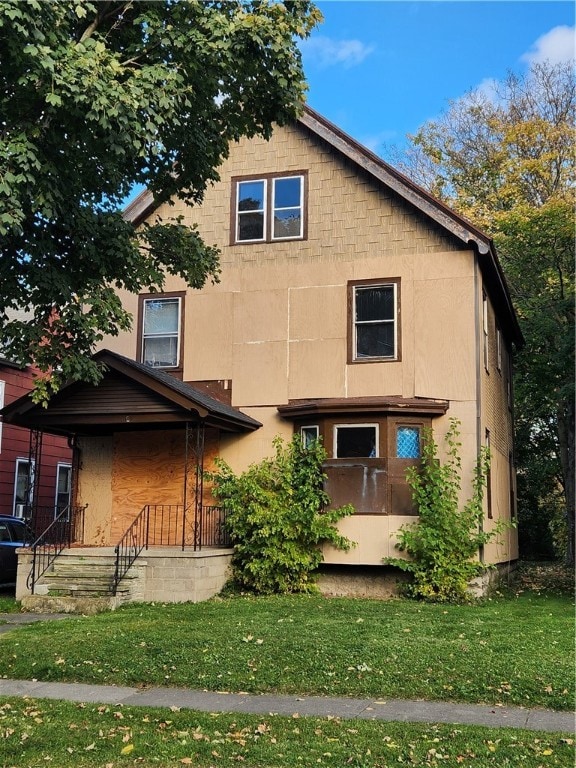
(269, 209)
(161, 330)
(373, 323)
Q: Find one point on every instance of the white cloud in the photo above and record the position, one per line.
(376, 142)
(327, 52)
(556, 46)
(488, 88)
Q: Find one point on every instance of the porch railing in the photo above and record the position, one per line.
(170, 525)
(65, 529)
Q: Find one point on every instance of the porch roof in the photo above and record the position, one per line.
(131, 396)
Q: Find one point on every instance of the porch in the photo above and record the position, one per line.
(79, 580)
(169, 553)
(140, 436)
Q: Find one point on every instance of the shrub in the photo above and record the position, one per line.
(443, 544)
(278, 518)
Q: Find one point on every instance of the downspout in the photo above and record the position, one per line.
(479, 357)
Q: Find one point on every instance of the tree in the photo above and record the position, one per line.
(96, 97)
(508, 164)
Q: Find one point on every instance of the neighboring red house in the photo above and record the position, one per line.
(49, 484)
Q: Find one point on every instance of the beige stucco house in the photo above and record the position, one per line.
(352, 306)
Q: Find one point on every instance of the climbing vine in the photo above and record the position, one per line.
(278, 518)
(443, 544)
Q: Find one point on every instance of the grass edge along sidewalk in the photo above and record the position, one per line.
(36, 732)
(393, 710)
(516, 652)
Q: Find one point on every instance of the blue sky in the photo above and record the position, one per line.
(379, 69)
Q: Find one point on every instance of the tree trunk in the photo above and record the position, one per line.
(567, 446)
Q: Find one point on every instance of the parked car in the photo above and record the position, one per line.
(14, 533)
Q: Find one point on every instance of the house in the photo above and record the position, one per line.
(48, 485)
(352, 306)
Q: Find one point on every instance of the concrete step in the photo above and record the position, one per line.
(85, 574)
(66, 604)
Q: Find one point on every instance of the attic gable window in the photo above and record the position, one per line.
(269, 208)
(160, 330)
(373, 312)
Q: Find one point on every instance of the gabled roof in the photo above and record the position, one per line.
(464, 231)
(130, 396)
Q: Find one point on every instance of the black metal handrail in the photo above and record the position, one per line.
(210, 528)
(169, 525)
(130, 545)
(64, 530)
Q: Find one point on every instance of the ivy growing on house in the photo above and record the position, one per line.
(278, 518)
(444, 543)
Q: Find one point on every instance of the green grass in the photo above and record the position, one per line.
(8, 603)
(39, 733)
(516, 651)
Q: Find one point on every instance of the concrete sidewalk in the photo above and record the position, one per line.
(315, 706)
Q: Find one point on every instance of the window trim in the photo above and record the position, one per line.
(59, 467)
(353, 285)
(499, 351)
(310, 427)
(355, 425)
(142, 299)
(269, 193)
(486, 351)
(31, 464)
(398, 425)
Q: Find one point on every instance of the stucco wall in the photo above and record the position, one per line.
(276, 324)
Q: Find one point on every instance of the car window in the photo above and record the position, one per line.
(4, 533)
(18, 531)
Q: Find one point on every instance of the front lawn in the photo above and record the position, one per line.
(67, 735)
(516, 651)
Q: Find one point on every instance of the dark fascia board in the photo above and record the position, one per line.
(143, 205)
(6, 363)
(140, 208)
(182, 395)
(297, 409)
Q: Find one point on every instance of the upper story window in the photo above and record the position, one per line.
(269, 208)
(373, 321)
(161, 330)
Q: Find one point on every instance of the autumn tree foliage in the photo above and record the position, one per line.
(507, 162)
(96, 97)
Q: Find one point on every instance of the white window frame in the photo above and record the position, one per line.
(376, 428)
(269, 195)
(309, 428)
(60, 466)
(177, 335)
(30, 500)
(485, 329)
(263, 210)
(393, 321)
(275, 208)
